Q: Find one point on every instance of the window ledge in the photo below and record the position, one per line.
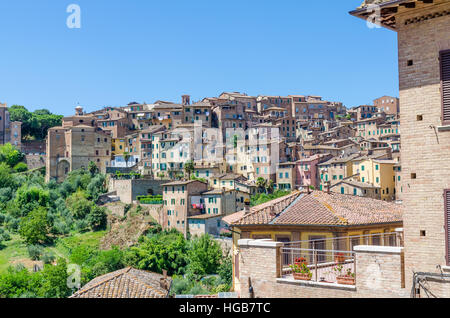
(443, 128)
(305, 283)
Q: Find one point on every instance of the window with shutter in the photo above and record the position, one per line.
(445, 86)
(447, 225)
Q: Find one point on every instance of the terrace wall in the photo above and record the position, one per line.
(128, 190)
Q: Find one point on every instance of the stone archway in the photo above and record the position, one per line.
(62, 170)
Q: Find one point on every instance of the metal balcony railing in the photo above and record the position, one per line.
(325, 266)
(347, 243)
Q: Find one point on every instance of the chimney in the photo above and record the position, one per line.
(272, 210)
(163, 280)
(163, 283)
(247, 206)
(186, 100)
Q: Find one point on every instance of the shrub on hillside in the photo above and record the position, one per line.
(35, 252)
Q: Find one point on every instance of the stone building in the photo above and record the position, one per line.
(423, 29)
(10, 132)
(182, 199)
(388, 104)
(75, 144)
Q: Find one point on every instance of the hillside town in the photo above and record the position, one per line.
(238, 145)
(308, 197)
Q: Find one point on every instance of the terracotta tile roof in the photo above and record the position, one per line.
(321, 208)
(230, 219)
(230, 176)
(357, 184)
(264, 213)
(181, 182)
(125, 283)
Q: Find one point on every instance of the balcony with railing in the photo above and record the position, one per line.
(324, 266)
(329, 261)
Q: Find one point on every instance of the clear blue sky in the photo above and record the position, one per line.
(145, 50)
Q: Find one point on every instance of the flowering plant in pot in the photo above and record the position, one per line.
(346, 277)
(300, 261)
(300, 271)
(339, 258)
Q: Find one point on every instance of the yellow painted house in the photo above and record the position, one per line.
(117, 146)
(379, 173)
(325, 218)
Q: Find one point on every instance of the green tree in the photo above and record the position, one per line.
(16, 282)
(20, 113)
(41, 121)
(36, 124)
(96, 187)
(126, 157)
(21, 167)
(162, 251)
(10, 155)
(6, 178)
(54, 281)
(225, 271)
(4, 236)
(261, 184)
(269, 187)
(189, 168)
(204, 256)
(97, 218)
(29, 198)
(78, 205)
(93, 169)
(34, 227)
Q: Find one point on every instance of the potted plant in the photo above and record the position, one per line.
(339, 258)
(346, 277)
(300, 270)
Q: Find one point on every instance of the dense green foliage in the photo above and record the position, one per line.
(11, 161)
(51, 282)
(150, 199)
(40, 211)
(264, 185)
(189, 168)
(51, 218)
(4, 235)
(10, 155)
(34, 227)
(261, 198)
(34, 124)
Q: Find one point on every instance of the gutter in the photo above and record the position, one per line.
(318, 225)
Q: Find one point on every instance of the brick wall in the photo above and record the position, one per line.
(378, 272)
(425, 148)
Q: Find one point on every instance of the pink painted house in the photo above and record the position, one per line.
(306, 170)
